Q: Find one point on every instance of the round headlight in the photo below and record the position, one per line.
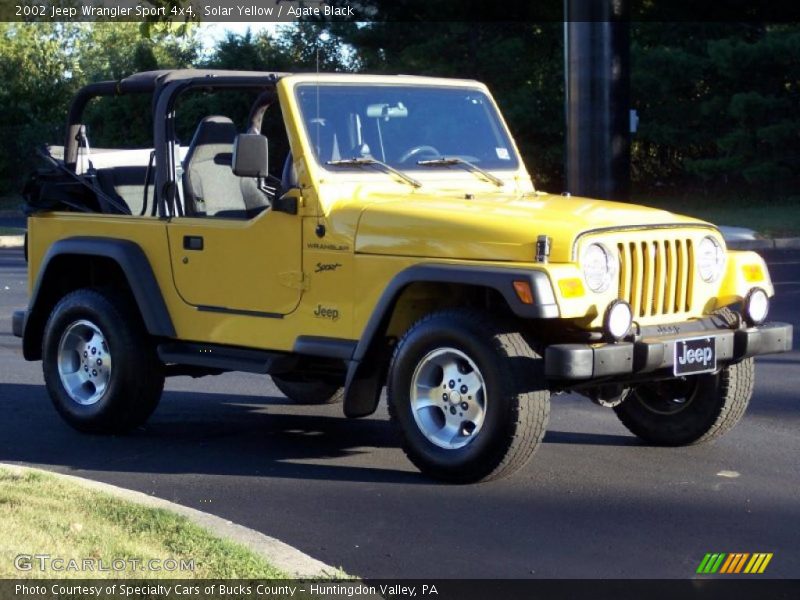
(599, 267)
(710, 259)
(756, 306)
(618, 319)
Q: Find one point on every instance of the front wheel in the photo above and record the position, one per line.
(467, 396)
(100, 368)
(697, 409)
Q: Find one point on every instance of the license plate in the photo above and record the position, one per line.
(696, 355)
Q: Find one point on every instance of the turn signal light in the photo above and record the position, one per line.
(753, 273)
(524, 291)
(571, 288)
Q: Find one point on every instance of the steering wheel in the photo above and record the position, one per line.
(417, 150)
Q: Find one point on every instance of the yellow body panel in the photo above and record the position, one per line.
(244, 265)
(376, 226)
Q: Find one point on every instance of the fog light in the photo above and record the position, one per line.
(618, 319)
(756, 306)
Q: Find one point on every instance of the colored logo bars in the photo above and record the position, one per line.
(734, 563)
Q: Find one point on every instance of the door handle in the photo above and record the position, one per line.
(192, 242)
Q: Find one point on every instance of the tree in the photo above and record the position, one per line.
(37, 70)
(42, 65)
(719, 105)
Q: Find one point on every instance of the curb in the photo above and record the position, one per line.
(770, 244)
(283, 556)
(12, 241)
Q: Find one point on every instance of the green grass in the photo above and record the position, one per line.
(11, 231)
(769, 217)
(42, 514)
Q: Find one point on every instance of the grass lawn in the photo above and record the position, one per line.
(11, 231)
(771, 218)
(42, 514)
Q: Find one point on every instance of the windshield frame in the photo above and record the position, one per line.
(514, 164)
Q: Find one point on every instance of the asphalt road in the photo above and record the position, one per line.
(594, 502)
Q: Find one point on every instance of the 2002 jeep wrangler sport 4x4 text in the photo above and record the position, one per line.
(385, 233)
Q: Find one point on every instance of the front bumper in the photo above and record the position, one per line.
(18, 323)
(651, 354)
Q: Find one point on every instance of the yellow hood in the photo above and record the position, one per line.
(493, 228)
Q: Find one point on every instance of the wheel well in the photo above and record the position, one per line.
(63, 274)
(366, 378)
(423, 297)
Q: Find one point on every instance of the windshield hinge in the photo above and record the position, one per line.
(543, 243)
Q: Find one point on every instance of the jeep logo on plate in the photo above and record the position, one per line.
(695, 356)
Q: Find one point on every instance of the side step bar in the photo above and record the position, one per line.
(225, 358)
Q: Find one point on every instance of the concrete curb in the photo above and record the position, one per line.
(769, 244)
(12, 241)
(281, 555)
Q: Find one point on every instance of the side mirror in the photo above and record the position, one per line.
(250, 155)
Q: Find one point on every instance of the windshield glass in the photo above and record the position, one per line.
(402, 125)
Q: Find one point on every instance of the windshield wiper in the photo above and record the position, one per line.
(455, 160)
(368, 161)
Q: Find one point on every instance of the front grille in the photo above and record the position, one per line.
(655, 277)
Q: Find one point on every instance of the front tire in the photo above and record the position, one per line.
(467, 396)
(100, 368)
(691, 411)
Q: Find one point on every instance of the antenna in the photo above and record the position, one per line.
(320, 229)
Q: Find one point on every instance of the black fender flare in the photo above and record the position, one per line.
(364, 373)
(137, 271)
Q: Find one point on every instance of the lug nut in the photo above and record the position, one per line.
(94, 351)
(452, 384)
(464, 406)
(99, 362)
(452, 410)
(85, 354)
(94, 373)
(444, 397)
(464, 389)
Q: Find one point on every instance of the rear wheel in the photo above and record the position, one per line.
(693, 410)
(467, 396)
(100, 368)
(309, 391)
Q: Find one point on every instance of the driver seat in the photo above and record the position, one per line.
(210, 187)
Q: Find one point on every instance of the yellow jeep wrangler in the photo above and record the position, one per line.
(384, 232)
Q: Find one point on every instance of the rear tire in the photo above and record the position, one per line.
(701, 409)
(468, 397)
(100, 368)
(310, 391)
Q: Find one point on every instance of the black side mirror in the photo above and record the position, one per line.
(250, 155)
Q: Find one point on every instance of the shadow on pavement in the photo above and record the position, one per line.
(203, 433)
(590, 439)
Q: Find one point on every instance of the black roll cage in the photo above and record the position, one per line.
(165, 87)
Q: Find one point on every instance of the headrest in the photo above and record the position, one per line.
(214, 135)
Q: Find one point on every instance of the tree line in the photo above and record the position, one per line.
(719, 103)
